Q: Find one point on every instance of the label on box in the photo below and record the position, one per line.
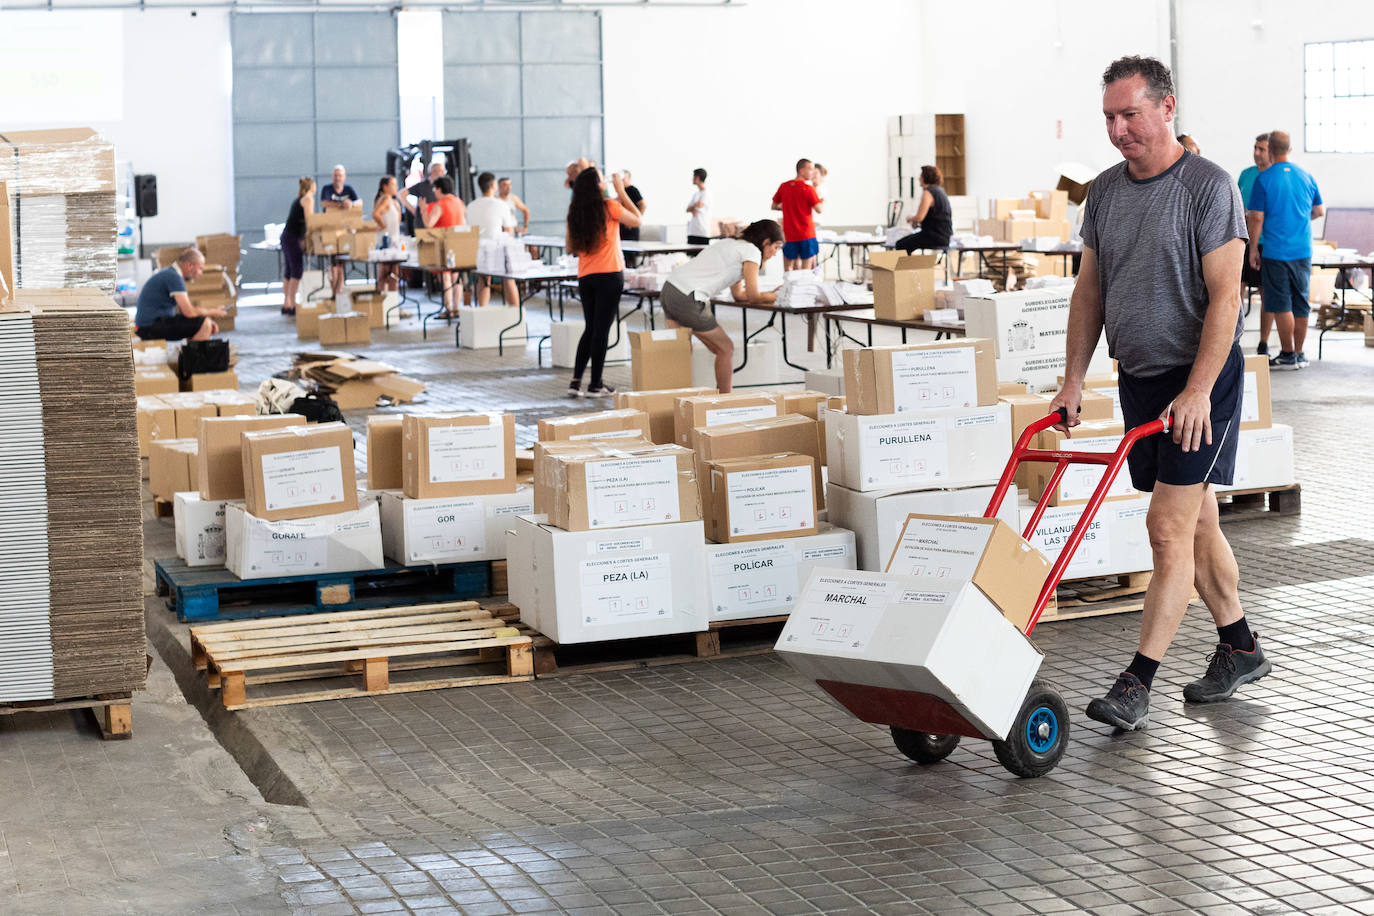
(1053, 532)
(617, 434)
(771, 500)
(906, 451)
(1249, 404)
(309, 477)
(663, 335)
(838, 614)
(1080, 480)
(829, 552)
(722, 415)
(626, 589)
(940, 549)
(911, 597)
(524, 508)
(632, 491)
(458, 453)
(924, 379)
(444, 529)
(753, 578)
(620, 545)
(207, 543)
(282, 550)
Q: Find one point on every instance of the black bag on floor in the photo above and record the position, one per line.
(317, 408)
(199, 356)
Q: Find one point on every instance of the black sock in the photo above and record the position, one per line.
(1237, 635)
(1144, 668)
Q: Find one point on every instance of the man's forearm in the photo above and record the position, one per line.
(1218, 335)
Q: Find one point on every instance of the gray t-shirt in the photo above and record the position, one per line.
(1150, 237)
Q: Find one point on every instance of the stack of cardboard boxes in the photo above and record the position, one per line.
(1028, 331)
(335, 232)
(218, 286)
(1040, 215)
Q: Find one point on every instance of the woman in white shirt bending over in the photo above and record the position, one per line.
(732, 263)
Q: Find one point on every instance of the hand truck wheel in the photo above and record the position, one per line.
(923, 747)
(1039, 735)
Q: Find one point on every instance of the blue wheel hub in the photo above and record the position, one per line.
(1042, 730)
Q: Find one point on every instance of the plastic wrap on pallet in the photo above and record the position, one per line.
(62, 207)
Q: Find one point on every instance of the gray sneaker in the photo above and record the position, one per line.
(1286, 361)
(1227, 669)
(1126, 705)
(1302, 360)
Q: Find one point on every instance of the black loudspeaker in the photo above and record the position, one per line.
(145, 195)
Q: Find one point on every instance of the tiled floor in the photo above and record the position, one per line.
(733, 787)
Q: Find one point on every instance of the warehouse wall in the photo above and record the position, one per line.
(1257, 83)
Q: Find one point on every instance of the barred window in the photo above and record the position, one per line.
(1338, 96)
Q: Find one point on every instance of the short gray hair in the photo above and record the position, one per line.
(1159, 82)
(190, 255)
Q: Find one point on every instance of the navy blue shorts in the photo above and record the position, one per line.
(800, 251)
(1284, 285)
(1159, 459)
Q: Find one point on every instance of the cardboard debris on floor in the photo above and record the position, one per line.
(353, 381)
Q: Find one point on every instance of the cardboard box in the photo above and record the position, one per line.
(371, 303)
(457, 454)
(228, 403)
(343, 330)
(421, 532)
(151, 380)
(830, 381)
(199, 529)
(1080, 480)
(764, 578)
(594, 586)
(521, 592)
(1051, 205)
(348, 541)
(542, 475)
(661, 407)
(876, 517)
(167, 255)
(621, 423)
(308, 320)
(1042, 371)
(855, 631)
(189, 408)
(763, 497)
(903, 284)
(299, 472)
(491, 327)
(213, 381)
(172, 468)
(987, 552)
(361, 243)
(451, 249)
(1023, 323)
(950, 447)
(1075, 186)
(219, 457)
(1116, 542)
(720, 409)
(1256, 411)
(221, 248)
(384, 451)
(912, 377)
(793, 433)
(156, 421)
(660, 359)
(1264, 459)
(647, 486)
(1006, 388)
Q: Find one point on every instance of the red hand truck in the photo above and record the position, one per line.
(1040, 732)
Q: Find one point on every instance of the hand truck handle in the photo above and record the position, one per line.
(1111, 462)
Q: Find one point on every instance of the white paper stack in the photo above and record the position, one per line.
(800, 289)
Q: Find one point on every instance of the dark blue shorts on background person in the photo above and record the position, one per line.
(1284, 286)
(292, 255)
(1159, 459)
(171, 327)
(800, 251)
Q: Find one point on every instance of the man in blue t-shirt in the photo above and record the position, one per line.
(338, 196)
(164, 309)
(1279, 214)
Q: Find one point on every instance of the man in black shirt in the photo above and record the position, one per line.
(338, 196)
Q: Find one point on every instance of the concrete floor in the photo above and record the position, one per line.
(731, 786)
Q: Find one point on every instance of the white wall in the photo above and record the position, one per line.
(176, 121)
(1253, 82)
(744, 92)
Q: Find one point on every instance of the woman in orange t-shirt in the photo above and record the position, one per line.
(594, 236)
(447, 211)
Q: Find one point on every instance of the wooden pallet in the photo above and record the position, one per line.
(1261, 502)
(1123, 594)
(113, 712)
(206, 593)
(723, 639)
(368, 647)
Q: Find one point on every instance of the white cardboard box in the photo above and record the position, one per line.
(1040, 371)
(593, 586)
(765, 365)
(199, 529)
(1020, 323)
(520, 571)
(346, 542)
(831, 381)
(418, 532)
(478, 328)
(764, 578)
(1264, 458)
(876, 516)
(938, 448)
(897, 633)
(1116, 542)
(563, 338)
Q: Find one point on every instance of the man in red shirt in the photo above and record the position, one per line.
(797, 200)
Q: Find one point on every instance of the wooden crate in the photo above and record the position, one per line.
(366, 647)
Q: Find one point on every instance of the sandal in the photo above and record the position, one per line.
(287, 311)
